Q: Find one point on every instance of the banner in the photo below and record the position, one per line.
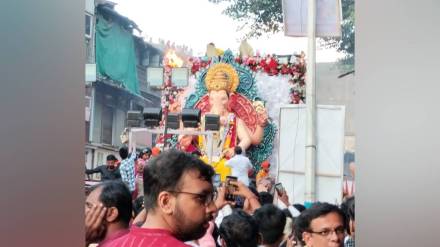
(328, 18)
(330, 126)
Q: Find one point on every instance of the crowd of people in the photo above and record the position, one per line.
(170, 199)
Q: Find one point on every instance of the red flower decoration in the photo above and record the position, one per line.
(285, 70)
(195, 68)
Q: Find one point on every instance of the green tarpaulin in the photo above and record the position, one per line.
(115, 54)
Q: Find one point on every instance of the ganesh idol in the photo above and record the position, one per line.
(241, 121)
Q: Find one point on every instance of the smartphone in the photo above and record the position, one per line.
(230, 189)
(279, 188)
(216, 180)
(239, 202)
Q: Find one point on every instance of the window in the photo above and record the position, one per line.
(99, 158)
(88, 108)
(89, 25)
(88, 112)
(107, 125)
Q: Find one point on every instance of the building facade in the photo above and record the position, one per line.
(107, 98)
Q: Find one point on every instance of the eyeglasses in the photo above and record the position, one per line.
(327, 232)
(205, 199)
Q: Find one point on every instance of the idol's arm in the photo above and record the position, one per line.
(243, 135)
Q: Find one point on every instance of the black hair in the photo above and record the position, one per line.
(271, 221)
(116, 194)
(239, 230)
(164, 173)
(196, 153)
(111, 157)
(348, 208)
(299, 207)
(265, 198)
(146, 151)
(238, 150)
(138, 205)
(123, 152)
(302, 222)
(287, 212)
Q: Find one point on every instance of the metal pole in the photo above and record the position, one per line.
(310, 166)
(92, 113)
(165, 131)
(167, 88)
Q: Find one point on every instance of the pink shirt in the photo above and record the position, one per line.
(146, 237)
(138, 173)
(112, 237)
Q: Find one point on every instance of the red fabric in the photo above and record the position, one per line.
(113, 237)
(143, 237)
(191, 148)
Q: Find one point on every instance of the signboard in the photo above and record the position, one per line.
(155, 77)
(179, 77)
(328, 18)
(330, 127)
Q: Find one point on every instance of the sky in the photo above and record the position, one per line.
(195, 23)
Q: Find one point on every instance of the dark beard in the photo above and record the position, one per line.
(102, 232)
(185, 233)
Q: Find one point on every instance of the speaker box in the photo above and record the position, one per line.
(133, 123)
(173, 120)
(212, 122)
(133, 115)
(152, 116)
(133, 119)
(191, 118)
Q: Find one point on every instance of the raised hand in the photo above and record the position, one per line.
(93, 223)
(284, 198)
(220, 201)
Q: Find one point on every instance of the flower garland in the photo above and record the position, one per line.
(271, 65)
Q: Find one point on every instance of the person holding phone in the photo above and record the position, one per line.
(250, 204)
(284, 198)
(230, 188)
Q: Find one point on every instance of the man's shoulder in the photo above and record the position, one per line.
(245, 159)
(142, 237)
(123, 164)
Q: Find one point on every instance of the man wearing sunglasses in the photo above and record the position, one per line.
(179, 200)
(322, 225)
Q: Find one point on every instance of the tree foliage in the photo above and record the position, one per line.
(260, 17)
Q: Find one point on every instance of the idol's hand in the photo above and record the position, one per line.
(261, 113)
(262, 118)
(229, 152)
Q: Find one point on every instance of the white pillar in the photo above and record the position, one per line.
(310, 166)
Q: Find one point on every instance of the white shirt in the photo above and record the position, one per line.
(222, 213)
(240, 165)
